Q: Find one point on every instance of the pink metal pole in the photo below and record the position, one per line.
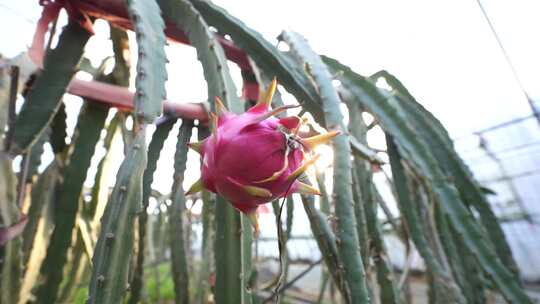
(121, 98)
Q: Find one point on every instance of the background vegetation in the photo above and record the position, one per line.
(58, 235)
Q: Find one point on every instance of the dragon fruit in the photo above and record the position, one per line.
(254, 157)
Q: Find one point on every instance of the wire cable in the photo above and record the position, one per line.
(17, 13)
(496, 127)
(477, 156)
(535, 111)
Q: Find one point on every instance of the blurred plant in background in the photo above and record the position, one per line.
(57, 235)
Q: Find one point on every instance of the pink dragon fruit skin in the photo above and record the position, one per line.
(253, 158)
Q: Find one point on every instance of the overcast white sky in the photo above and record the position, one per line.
(443, 51)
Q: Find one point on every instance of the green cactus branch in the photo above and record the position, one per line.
(412, 147)
(436, 136)
(458, 258)
(346, 234)
(209, 51)
(362, 179)
(151, 73)
(400, 90)
(58, 134)
(406, 207)
(385, 276)
(267, 56)
(32, 159)
(233, 231)
(154, 149)
(87, 133)
(325, 196)
(79, 264)
(326, 241)
(44, 99)
(100, 191)
(180, 272)
(208, 235)
(36, 234)
(112, 257)
(367, 204)
(229, 277)
(46, 183)
(10, 254)
(113, 249)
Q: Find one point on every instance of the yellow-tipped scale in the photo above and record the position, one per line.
(214, 126)
(303, 188)
(214, 123)
(196, 187)
(303, 122)
(257, 191)
(220, 107)
(303, 168)
(314, 141)
(291, 121)
(195, 146)
(266, 99)
(272, 113)
(278, 173)
(254, 219)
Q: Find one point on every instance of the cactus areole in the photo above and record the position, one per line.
(254, 157)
